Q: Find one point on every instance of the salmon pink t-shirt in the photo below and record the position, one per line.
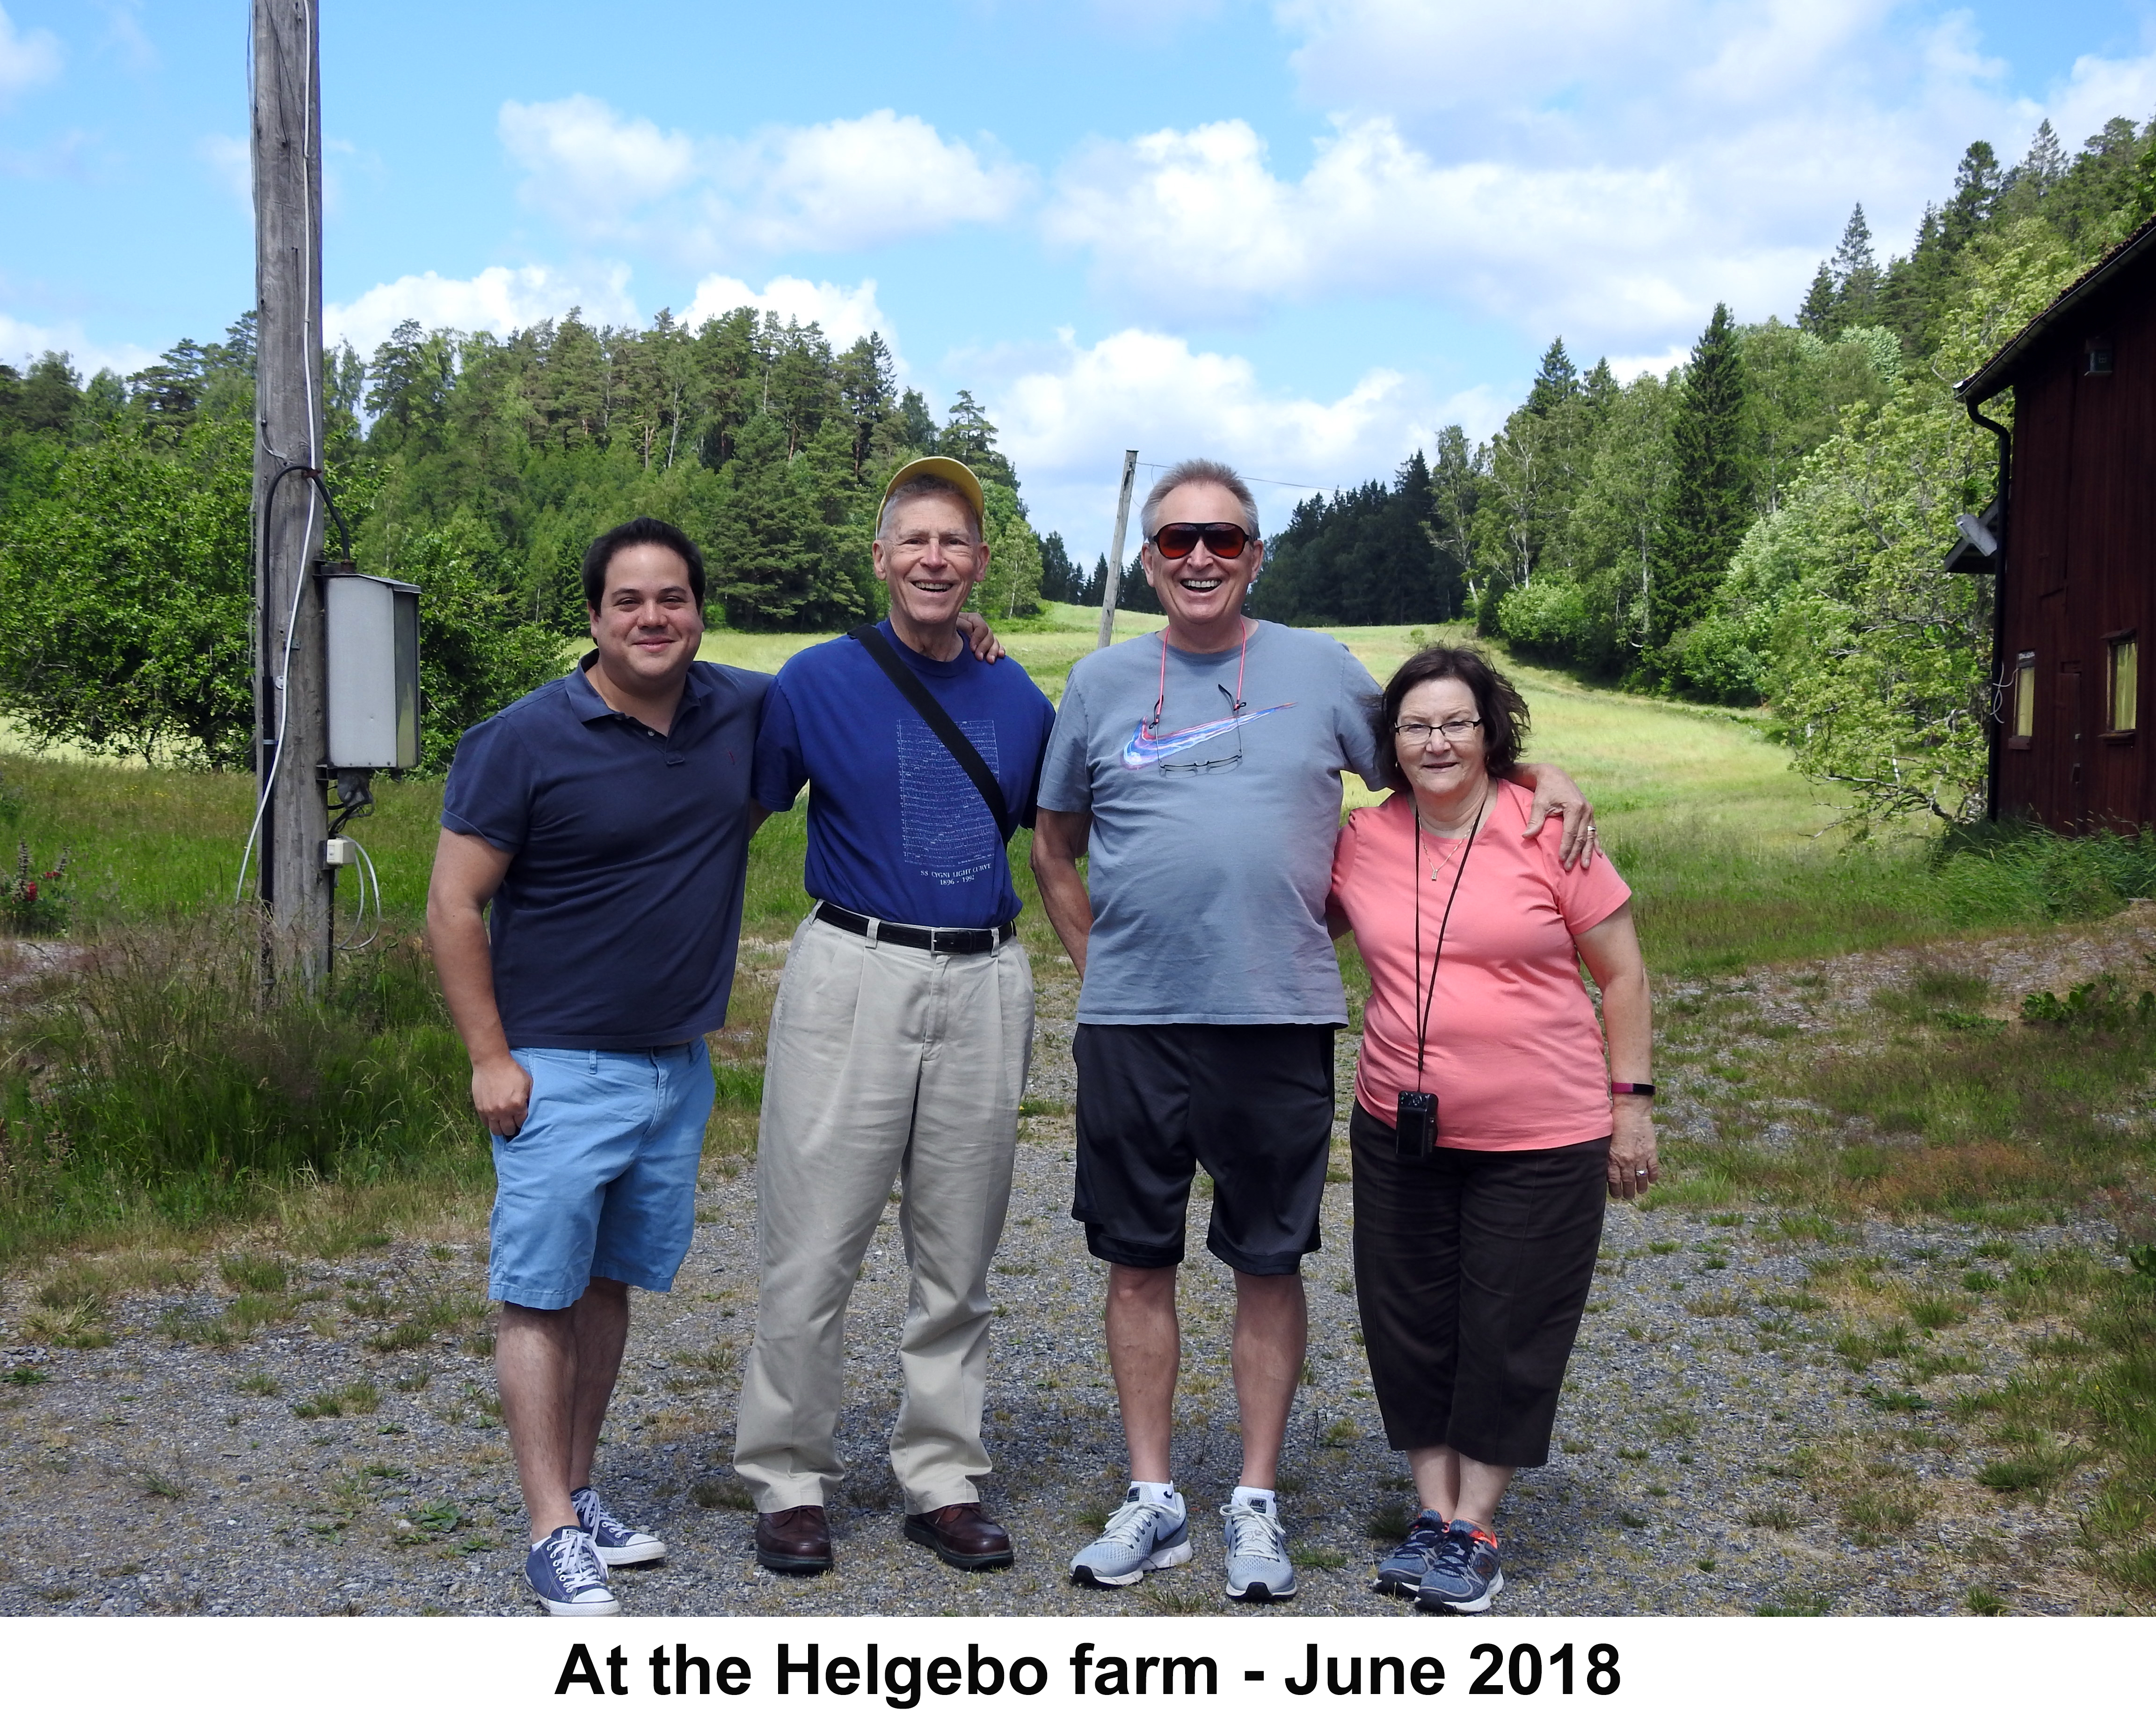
(1513, 1053)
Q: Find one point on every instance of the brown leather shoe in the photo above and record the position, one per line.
(961, 1536)
(794, 1541)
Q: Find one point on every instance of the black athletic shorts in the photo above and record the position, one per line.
(1252, 1104)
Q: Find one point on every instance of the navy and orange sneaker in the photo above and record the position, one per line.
(1464, 1575)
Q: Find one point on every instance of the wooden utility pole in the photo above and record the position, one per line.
(1115, 582)
(288, 514)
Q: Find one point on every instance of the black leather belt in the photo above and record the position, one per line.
(937, 940)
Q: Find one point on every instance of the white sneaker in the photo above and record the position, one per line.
(1138, 1536)
(1259, 1569)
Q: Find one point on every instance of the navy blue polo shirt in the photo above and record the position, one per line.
(896, 830)
(617, 924)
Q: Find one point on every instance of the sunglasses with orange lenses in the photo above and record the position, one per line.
(1179, 540)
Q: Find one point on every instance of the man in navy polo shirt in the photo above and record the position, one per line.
(605, 819)
(899, 1040)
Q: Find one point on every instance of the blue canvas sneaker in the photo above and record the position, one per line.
(1464, 1575)
(1138, 1536)
(566, 1573)
(616, 1542)
(1402, 1571)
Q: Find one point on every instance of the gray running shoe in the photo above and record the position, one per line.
(1138, 1536)
(566, 1573)
(1464, 1576)
(1259, 1571)
(616, 1542)
(1402, 1571)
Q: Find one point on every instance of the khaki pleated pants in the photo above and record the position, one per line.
(885, 1066)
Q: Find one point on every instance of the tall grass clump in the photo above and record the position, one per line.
(2008, 873)
(160, 1080)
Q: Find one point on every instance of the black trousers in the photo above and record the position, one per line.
(1471, 1272)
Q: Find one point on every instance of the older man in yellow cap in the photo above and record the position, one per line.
(899, 1044)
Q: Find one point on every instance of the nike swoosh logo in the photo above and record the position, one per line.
(1146, 747)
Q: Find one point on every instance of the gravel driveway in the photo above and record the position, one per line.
(335, 1449)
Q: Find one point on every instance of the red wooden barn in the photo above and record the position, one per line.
(2075, 534)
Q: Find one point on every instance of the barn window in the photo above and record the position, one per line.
(2025, 696)
(2125, 684)
(2099, 357)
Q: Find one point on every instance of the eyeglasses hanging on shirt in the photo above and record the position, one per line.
(1188, 738)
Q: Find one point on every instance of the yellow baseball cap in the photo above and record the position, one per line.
(949, 469)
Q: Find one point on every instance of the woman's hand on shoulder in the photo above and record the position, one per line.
(1633, 1165)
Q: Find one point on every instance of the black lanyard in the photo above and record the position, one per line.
(1422, 1003)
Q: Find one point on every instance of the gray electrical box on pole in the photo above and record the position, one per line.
(373, 685)
(289, 507)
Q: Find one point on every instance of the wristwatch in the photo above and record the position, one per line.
(1645, 1088)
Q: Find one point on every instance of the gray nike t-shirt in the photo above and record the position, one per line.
(1212, 827)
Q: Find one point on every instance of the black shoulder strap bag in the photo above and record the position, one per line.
(939, 721)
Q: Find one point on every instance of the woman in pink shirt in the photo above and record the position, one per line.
(1487, 1127)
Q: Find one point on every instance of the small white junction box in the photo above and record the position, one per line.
(372, 626)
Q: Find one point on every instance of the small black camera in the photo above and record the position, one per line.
(1416, 1129)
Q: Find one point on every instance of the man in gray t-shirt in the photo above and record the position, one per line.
(1212, 823)
(1200, 769)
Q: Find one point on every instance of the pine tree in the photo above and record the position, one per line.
(1976, 191)
(1600, 388)
(2045, 165)
(1556, 381)
(866, 374)
(1817, 314)
(1059, 576)
(916, 427)
(1707, 507)
(970, 436)
(1855, 274)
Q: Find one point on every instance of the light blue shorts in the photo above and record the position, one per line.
(600, 1184)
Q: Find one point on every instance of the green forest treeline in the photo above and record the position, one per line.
(485, 467)
(1766, 522)
(1769, 520)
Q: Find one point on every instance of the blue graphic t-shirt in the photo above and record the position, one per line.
(895, 829)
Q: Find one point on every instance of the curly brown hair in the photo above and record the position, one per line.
(1503, 711)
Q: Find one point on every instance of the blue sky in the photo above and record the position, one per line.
(1300, 235)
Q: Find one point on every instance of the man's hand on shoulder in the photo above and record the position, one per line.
(986, 645)
(1556, 795)
(502, 1090)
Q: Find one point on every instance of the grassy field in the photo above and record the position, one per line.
(1722, 842)
(145, 1076)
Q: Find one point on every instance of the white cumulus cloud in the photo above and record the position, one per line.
(846, 314)
(499, 300)
(1606, 168)
(28, 57)
(587, 164)
(835, 186)
(22, 342)
(1066, 413)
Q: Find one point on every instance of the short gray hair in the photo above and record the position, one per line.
(927, 486)
(1192, 469)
